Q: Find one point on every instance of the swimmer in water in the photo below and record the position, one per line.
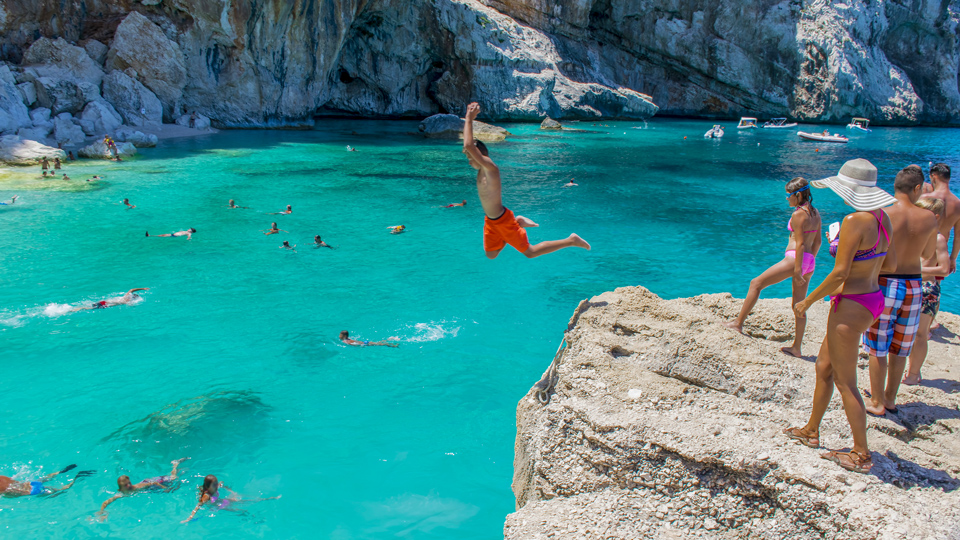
(273, 229)
(44, 173)
(397, 229)
(125, 487)
(286, 245)
(464, 203)
(128, 298)
(126, 202)
(14, 488)
(44, 164)
(232, 205)
(289, 210)
(56, 163)
(320, 243)
(65, 177)
(210, 494)
(15, 197)
(345, 338)
(570, 183)
(94, 177)
(188, 233)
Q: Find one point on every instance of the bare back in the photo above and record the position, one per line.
(951, 208)
(863, 275)
(912, 228)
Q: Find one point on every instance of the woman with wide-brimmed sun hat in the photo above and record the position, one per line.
(863, 247)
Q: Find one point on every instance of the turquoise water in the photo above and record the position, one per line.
(232, 357)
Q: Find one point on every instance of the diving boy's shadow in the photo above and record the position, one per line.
(907, 474)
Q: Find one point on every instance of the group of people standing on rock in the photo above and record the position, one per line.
(891, 254)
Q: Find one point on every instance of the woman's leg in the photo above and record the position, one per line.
(771, 276)
(799, 293)
(823, 390)
(919, 352)
(844, 328)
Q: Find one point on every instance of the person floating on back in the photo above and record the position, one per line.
(126, 487)
(188, 233)
(500, 227)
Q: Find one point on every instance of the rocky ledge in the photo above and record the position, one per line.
(661, 423)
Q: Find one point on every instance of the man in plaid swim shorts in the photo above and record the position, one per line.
(894, 331)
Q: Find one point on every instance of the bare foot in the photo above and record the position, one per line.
(934, 325)
(910, 380)
(733, 326)
(179, 461)
(526, 223)
(791, 351)
(579, 242)
(874, 409)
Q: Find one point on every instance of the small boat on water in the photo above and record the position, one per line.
(715, 132)
(747, 123)
(861, 124)
(822, 137)
(778, 123)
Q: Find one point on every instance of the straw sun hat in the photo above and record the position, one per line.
(856, 184)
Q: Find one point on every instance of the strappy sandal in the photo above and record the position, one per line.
(813, 441)
(852, 461)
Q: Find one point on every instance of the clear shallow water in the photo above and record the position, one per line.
(232, 357)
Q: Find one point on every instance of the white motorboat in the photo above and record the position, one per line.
(715, 132)
(861, 124)
(778, 123)
(747, 123)
(822, 137)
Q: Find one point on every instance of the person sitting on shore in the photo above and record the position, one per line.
(289, 210)
(464, 203)
(345, 338)
(286, 245)
(210, 494)
(12, 200)
(128, 298)
(15, 488)
(125, 487)
(127, 203)
(939, 188)
(804, 226)
(500, 226)
(188, 233)
(863, 249)
(912, 230)
(272, 230)
(936, 264)
(318, 242)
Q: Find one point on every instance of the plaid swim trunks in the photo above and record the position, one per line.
(930, 304)
(896, 328)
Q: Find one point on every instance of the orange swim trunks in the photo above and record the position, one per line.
(502, 231)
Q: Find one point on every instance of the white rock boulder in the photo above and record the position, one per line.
(17, 151)
(69, 60)
(550, 123)
(135, 102)
(450, 126)
(13, 112)
(158, 61)
(40, 115)
(62, 94)
(96, 50)
(102, 116)
(67, 132)
(100, 150)
(200, 122)
(29, 93)
(137, 138)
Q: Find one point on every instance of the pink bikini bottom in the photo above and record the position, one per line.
(874, 301)
(809, 261)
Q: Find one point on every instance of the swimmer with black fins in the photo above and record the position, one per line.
(14, 488)
(345, 338)
(188, 233)
(126, 487)
(128, 298)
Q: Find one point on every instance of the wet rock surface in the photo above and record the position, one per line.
(664, 424)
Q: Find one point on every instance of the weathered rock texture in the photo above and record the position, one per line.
(280, 62)
(16, 151)
(664, 424)
(450, 126)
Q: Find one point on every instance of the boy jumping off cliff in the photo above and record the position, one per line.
(500, 227)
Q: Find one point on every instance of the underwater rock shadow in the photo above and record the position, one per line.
(228, 421)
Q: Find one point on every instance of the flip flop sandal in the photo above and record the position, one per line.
(797, 435)
(851, 461)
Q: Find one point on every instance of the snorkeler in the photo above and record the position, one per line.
(13, 488)
(232, 205)
(500, 226)
(345, 338)
(126, 202)
(273, 229)
(320, 243)
(286, 245)
(125, 487)
(464, 203)
(128, 298)
(15, 197)
(289, 210)
(188, 233)
(210, 493)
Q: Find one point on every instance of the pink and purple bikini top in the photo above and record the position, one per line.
(864, 254)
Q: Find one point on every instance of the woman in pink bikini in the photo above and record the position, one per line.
(862, 249)
(804, 227)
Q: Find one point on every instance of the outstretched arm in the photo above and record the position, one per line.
(196, 508)
(469, 147)
(138, 289)
(103, 507)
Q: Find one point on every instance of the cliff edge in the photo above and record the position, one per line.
(661, 423)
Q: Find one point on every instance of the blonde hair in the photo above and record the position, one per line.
(933, 205)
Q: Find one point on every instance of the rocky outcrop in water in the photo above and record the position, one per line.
(17, 151)
(450, 126)
(661, 423)
(276, 63)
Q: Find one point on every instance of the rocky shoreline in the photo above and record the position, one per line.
(661, 423)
